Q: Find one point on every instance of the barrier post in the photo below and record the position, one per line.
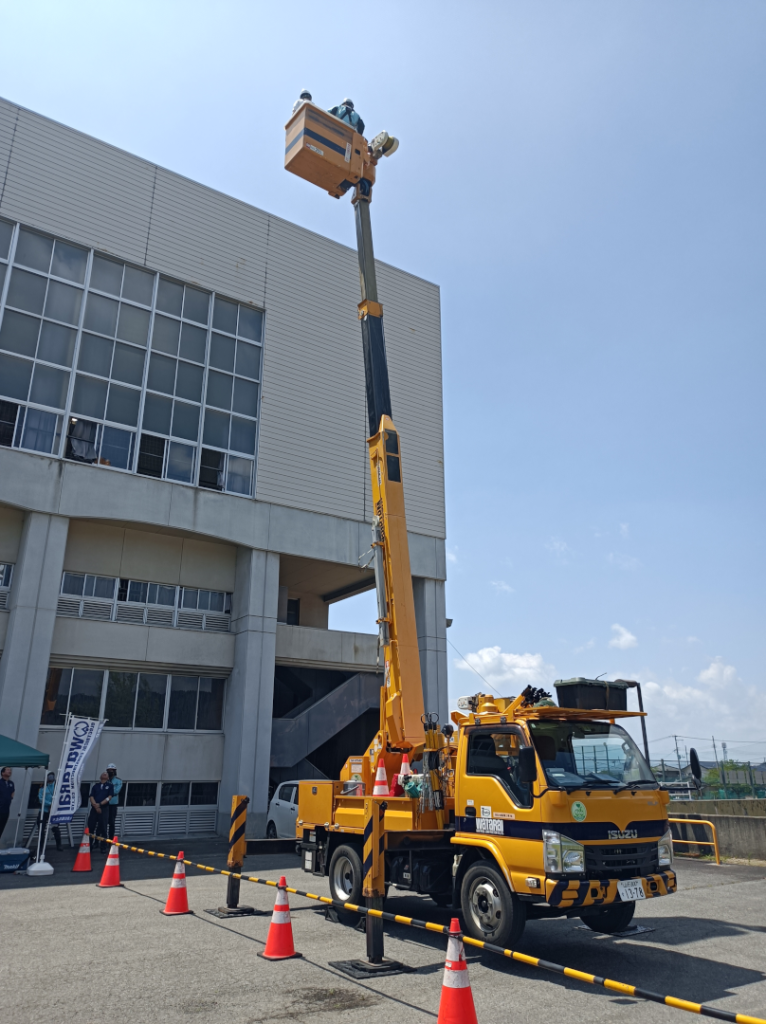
(374, 867)
(374, 891)
(237, 851)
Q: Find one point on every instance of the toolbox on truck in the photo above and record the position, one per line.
(592, 694)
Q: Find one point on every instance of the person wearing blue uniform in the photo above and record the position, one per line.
(100, 795)
(7, 791)
(114, 803)
(45, 796)
(345, 112)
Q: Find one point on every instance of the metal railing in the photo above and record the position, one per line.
(698, 842)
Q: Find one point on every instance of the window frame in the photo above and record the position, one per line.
(164, 728)
(489, 730)
(88, 286)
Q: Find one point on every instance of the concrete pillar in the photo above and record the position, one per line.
(430, 616)
(250, 694)
(33, 600)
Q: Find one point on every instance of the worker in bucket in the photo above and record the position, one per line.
(345, 111)
(305, 97)
(114, 803)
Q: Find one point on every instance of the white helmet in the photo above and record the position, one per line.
(348, 103)
(111, 766)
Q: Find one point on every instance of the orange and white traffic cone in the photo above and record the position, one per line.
(405, 770)
(456, 1006)
(381, 782)
(82, 860)
(279, 941)
(111, 876)
(178, 902)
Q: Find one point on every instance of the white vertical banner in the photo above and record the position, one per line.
(80, 738)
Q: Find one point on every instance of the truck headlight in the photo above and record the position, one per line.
(665, 850)
(562, 855)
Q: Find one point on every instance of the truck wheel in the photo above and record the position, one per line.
(491, 911)
(615, 918)
(346, 876)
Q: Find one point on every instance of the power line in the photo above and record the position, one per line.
(472, 668)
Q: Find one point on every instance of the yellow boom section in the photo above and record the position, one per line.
(403, 689)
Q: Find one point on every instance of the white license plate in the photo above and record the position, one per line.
(631, 890)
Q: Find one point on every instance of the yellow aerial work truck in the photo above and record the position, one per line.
(520, 808)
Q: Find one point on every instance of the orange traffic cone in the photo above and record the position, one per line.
(456, 1006)
(111, 876)
(279, 941)
(381, 782)
(178, 902)
(405, 770)
(82, 860)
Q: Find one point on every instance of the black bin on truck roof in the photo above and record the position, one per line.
(596, 694)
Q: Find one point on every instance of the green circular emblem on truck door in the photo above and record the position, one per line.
(579, 811)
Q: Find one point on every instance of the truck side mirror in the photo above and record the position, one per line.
(694, 761)
(527, 765)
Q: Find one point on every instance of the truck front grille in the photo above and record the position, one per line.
(626, 861)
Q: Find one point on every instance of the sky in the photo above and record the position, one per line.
(584, 181)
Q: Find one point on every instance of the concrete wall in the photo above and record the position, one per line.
(44, 484)
(704, 808)
(738, 835)
(106, 550)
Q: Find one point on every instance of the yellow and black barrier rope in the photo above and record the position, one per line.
(532, 961)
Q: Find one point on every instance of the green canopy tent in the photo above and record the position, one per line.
(19, 755)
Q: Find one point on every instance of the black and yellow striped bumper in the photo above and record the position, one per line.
(566, 893)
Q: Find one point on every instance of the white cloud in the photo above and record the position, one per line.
(718, 676)
(718, 703)
(626, 562)
(623, 638)
(693, 640)
(502, 587)
(498, 666)
(585, 647)
(558, 547)
(625, 530)
(452, 555)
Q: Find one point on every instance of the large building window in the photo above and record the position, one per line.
(135, 700)
(118, 366)
(139, 602)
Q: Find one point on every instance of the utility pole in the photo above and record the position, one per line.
(719, 766)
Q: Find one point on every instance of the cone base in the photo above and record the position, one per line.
(175, 913)
(110, 885)
(77, 870)
(287, 956)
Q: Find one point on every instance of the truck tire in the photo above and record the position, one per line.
(491, 911)
(608, 920)
(346, 876)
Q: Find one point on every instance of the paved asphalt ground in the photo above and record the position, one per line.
(73, 952)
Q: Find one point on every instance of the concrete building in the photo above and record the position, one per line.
(183, 479)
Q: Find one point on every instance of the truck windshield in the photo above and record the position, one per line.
(592, 755)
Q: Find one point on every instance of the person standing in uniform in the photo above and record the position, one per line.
(45, 796)
(100, 795)
(114, 803)
(7, 792)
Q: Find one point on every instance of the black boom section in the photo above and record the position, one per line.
(375, 371)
